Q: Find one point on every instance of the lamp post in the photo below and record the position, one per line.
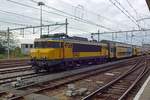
(41, 4)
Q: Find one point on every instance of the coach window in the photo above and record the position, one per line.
(31, 45)
(112, 49)
(26, 45)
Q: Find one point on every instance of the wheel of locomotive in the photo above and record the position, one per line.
(65, 66)
(49, 70)
(35, 69)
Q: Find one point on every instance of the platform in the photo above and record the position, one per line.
(144, 92)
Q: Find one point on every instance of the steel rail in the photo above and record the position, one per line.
(137, 65)
(52, 86)
(144, 71)
(13, 63)
(12, 70)
(131, 61)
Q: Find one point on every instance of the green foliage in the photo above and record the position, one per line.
(4, 42)
(2, 49)
(15, 53)
(2, 56)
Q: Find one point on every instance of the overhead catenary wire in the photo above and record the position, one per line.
(132, 7)
(99, 16)
(126, 14)
(134, 11)
(14, 23)
(125, 31)
(31, 27)
(74, 28)
(66, 15)
(76, 18)
(17, 14)
(124, 9)
(55, 28)
(29, 6)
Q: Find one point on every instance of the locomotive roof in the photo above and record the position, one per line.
(121, 43)
(70, 40)
(109, 41)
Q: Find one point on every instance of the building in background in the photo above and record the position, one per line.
(25, 48)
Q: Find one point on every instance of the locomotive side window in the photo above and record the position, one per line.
(86, 48)
(54, 45)
(47, 44)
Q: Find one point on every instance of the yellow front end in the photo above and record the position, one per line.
(48, 53)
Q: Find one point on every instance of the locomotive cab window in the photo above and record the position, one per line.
(47, 44)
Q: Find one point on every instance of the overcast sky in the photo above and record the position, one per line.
(97, 12)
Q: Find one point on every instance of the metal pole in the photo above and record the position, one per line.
(33, 31)
(8, 44)
(37, 26)
(48, 30)
(41, 22)
(98, 36)
(40, 4)
(112, 36)
(66, 26)
(131, 37)
(142, 47)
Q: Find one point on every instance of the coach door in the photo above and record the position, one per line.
(111, 50)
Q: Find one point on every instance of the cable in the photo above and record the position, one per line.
(128, 16)
(125, 31)
(55, 9)
(143, 19)
(24, 16)
(98, 15)
(55, 28)
(88, 22)
(125, 9)
(132, 7)
(25, 5)
(13, 23)
(79, 19)
(78, 29)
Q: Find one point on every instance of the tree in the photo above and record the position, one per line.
(2, 49)
(4, 41)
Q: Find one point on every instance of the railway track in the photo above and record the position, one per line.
(62, 81)
(10, 74)
(119, 88)
(14, 69)
(8, 80)
(13, 63)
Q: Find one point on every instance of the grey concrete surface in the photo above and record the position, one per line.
(144, 92)
(39, 97)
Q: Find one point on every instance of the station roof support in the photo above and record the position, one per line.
(148, 4)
